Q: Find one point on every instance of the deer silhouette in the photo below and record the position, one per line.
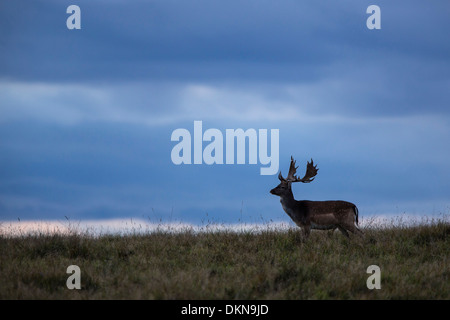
(321, 215)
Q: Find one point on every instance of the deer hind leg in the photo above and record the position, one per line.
(352, 228)
(358, 231)
(349, 223)
(331, 232)
(344, 232)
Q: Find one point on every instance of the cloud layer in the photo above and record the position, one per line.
(86, 115)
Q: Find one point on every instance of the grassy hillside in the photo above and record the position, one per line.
(414, 263)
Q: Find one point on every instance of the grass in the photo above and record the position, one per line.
(268, 264)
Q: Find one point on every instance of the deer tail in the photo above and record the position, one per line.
(355, 208)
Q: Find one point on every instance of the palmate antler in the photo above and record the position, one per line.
(311, 171)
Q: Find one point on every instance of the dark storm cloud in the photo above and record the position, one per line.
(161, 39)
(393, 71)
(146, 39)
(86, 115)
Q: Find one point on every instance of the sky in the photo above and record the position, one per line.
(86, 116)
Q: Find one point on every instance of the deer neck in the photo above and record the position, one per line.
(287, 201)
(292, 208)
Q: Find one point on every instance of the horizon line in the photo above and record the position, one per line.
(139, 226)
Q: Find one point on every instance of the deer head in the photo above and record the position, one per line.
(284, 188)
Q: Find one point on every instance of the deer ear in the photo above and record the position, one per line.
(280, 177)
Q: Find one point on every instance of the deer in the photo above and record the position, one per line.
(320, 215)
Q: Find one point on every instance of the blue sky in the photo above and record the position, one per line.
(86, 115)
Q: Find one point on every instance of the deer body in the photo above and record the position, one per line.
(321, 215)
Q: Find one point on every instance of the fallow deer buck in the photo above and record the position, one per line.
(322, 215)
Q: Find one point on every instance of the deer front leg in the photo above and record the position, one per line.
(306, 230)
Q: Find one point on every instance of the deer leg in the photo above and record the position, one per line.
(358, 231)
(344, 232)
(306, 231)
(331, 232)
(353, 229)
(349, 223)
